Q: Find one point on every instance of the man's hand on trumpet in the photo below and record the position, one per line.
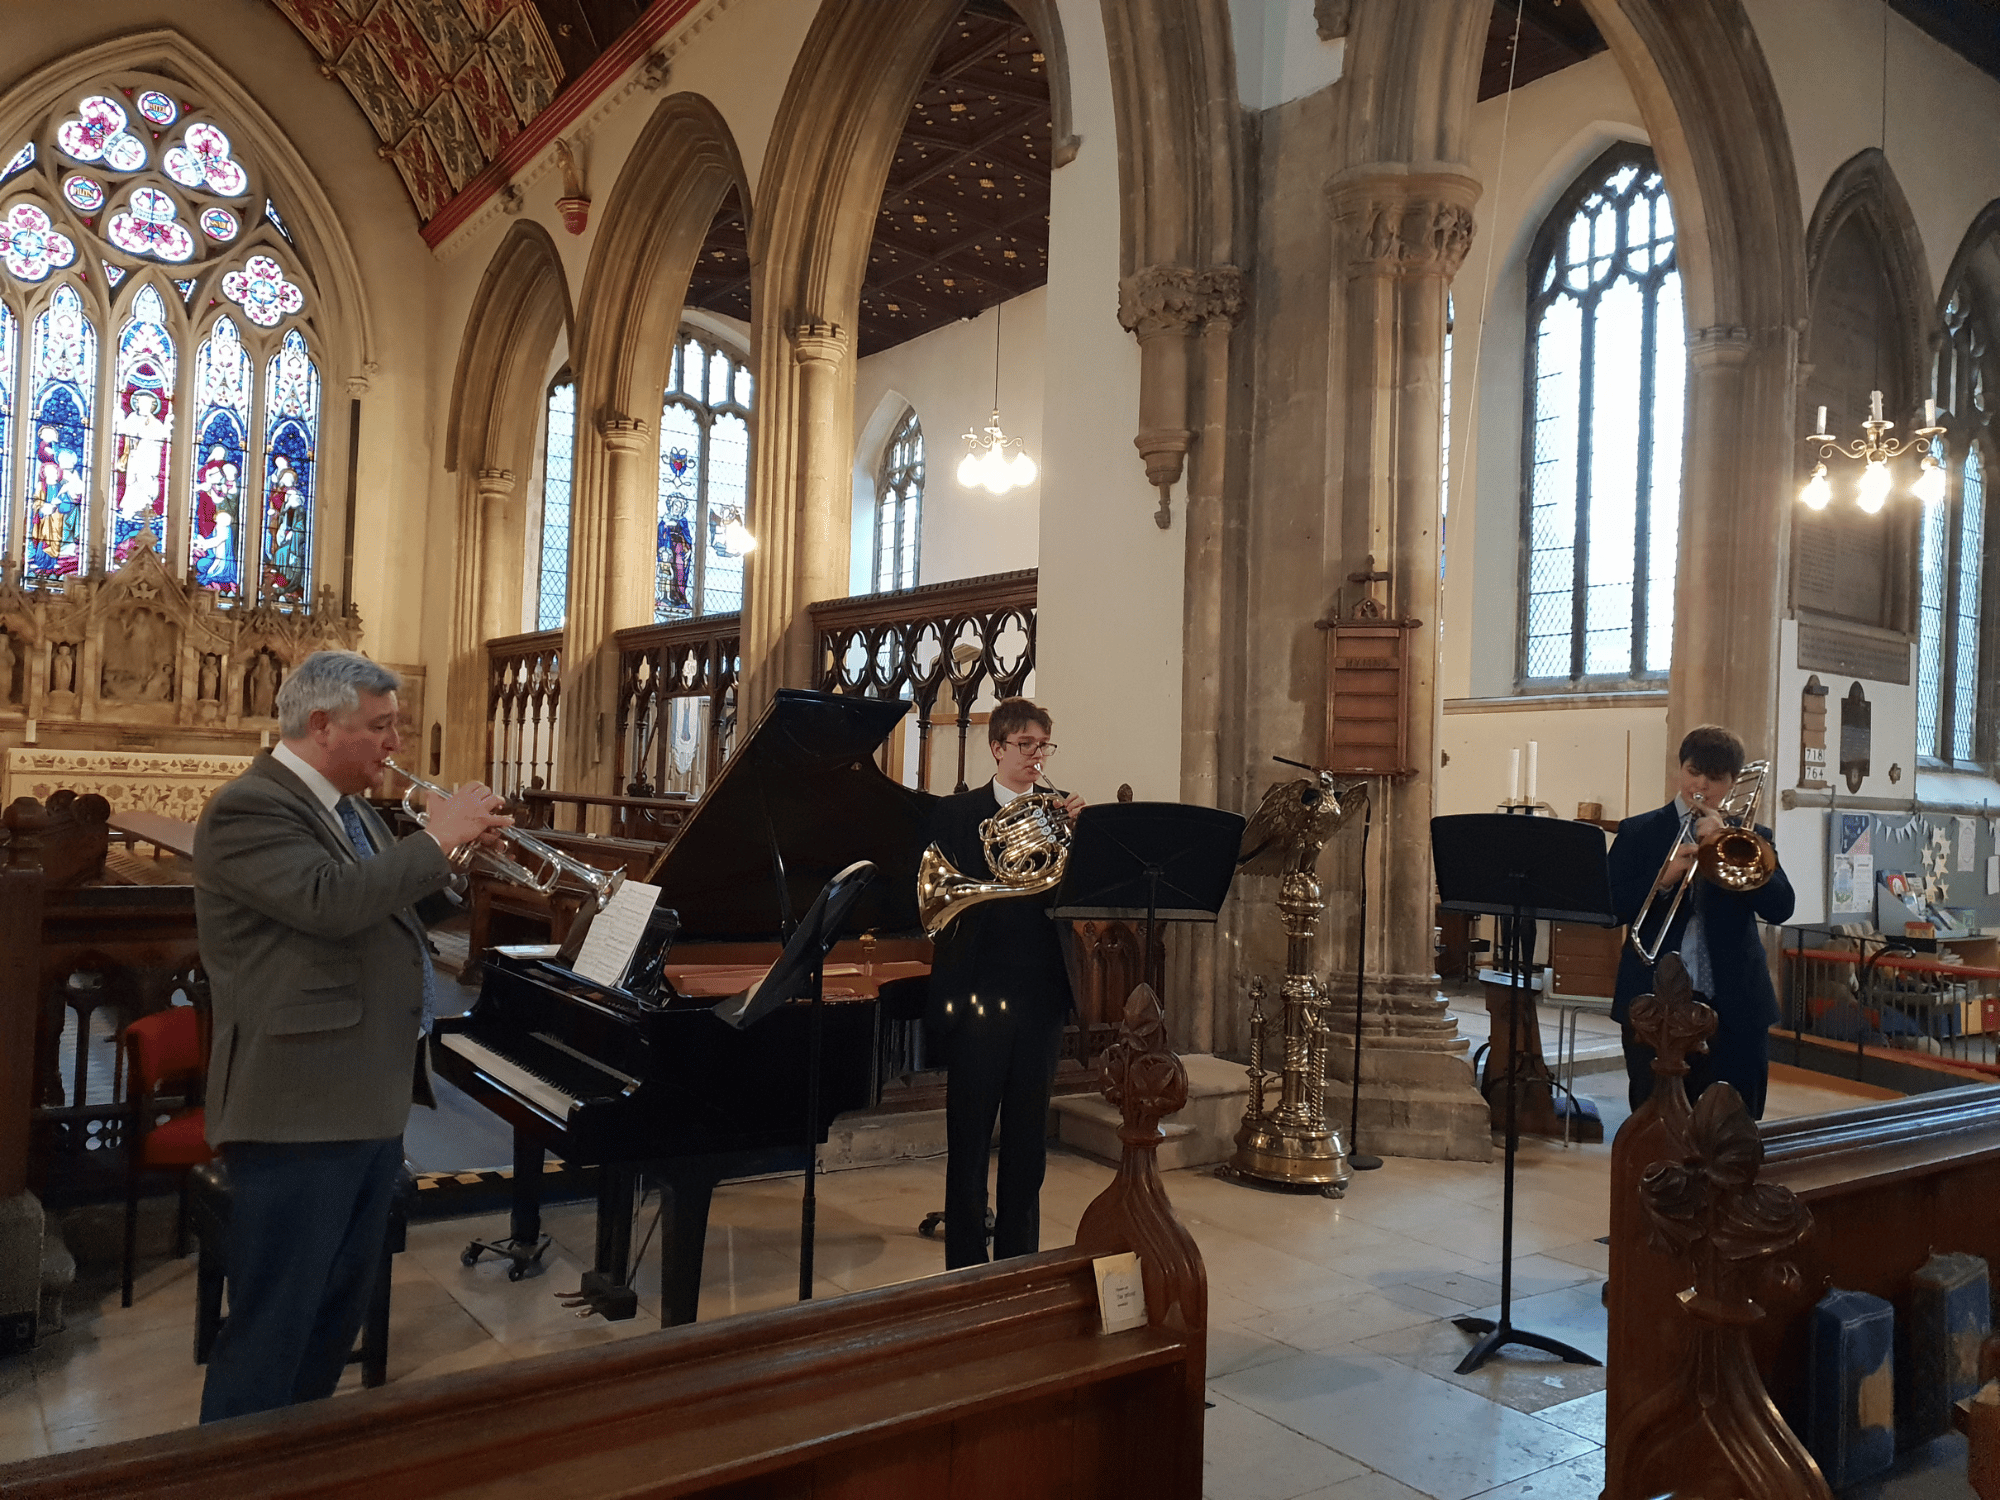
(469, 815)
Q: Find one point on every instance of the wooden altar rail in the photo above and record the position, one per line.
(1887, 1184)
(972, 636)
(523, 709)
(659, 665)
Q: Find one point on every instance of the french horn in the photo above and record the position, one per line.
(1027, 850)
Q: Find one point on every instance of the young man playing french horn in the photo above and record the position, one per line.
(999, 998)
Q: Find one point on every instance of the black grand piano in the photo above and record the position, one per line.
(643, 1081)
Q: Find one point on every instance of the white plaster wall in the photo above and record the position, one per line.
(1826, 57)
(947, 375)
(1108, 648)
(1279, 54)
(256, 45)
(1582, 757)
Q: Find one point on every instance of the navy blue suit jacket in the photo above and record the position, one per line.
(1742, 978)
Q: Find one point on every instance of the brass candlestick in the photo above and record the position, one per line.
(1293, 1143)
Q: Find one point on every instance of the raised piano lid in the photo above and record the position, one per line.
(805, 777)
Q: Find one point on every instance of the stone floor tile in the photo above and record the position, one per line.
(1434, 1437)
(1579, 1478)
(1231, 1347)
(1370, 1486)
(1247, 1456)
(1339, 1321)
(1584, 1416)
(1525, 1379)
(22, 1433)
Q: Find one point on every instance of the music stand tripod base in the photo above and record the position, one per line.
(1494, 1335)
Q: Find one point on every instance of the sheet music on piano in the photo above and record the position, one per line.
(615, 933)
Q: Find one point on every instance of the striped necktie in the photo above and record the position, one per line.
(357, 835)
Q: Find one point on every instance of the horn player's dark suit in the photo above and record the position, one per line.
(999, 997)
(1739, 978)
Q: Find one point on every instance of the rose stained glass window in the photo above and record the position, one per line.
(31, 245)
(113, 275)
(158, 108)
(98, 133)
(291, 441)
(85, 193)
(20, 162)
(62, 381)
(142, 426)
(704, 483)
(221, 396)
(150, 225)
(262, 291)
(9, 364)
(186, 288)
(218, 224)
(203, 161)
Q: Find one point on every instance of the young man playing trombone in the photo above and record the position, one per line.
(999, 998)
(1714, 931)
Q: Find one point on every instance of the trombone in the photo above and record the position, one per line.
(542, 866)
(1737, 858)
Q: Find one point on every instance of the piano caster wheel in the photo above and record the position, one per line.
(929, 1228)
(516, 1271)
(469, 1256)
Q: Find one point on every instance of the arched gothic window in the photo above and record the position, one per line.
(1606, 386)
(1951, 574)
(157, 366)
(899, 504)
(558, 449)
(704, 482)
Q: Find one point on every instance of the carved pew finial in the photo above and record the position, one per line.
(1714, 1431)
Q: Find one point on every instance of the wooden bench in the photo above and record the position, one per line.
(993, 1381)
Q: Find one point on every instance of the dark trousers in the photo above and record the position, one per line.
(998, 1064)
(306, 1223)
(1739, 1055)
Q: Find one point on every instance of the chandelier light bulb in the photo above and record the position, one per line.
(994, 462)
(1871, 491)
(1929, 487)
(971, 470)
(1817, 492)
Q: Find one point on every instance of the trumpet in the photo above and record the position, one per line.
(541, 867)
(1738, 858)
(1027, 850)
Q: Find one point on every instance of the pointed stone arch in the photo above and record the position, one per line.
(682, 169)
(521, 309)
(1864, 188)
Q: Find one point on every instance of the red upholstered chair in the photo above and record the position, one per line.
(161, 1050)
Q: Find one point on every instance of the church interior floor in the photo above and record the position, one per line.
(1331, 1350)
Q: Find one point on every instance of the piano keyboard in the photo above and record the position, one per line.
(511, 1075)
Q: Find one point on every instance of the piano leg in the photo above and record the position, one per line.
(605, 1288)
(689, 1185)
(525, 1243)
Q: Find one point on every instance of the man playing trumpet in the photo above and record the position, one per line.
(1714, 931)
(999, 998)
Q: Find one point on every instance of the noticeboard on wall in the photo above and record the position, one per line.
(1888, 869)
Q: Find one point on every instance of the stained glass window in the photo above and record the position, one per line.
(559, 444)
(1953, 703)
(143, 425)
(899, 500)
(291, 441)
(62, 383)
(1607, 385)
(31, 245)
(19, 162)
(221, 397)
(150, 224)
(704, 485)
(98, 134)
(9, 364)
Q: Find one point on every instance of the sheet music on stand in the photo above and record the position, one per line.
(615, 934)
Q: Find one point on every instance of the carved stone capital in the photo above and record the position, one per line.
(1332, 17)
(1719, 348)
(1405, 224)
(1174, 299)
(495, 485)
(819, 343)
(622, 434)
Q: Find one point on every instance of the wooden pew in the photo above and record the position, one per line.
(1886, 1184)
(986, 1382)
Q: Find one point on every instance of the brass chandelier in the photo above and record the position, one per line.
(1874, 449)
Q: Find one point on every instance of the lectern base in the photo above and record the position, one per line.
(1269, 1152)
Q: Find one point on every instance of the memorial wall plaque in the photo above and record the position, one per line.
(1849, 651)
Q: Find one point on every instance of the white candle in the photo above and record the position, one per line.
(264, 739)
(1930, 412)
(1822, 420)
(28, 732)
(1514, 774)
(1534, 756)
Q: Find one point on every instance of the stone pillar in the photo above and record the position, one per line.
(1400, 238)
(500, 541)
(825, 488)
(612, 545)
(634, 493)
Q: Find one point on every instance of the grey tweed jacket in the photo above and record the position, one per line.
(314, 965)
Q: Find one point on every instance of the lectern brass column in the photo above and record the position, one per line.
(1293, 1143)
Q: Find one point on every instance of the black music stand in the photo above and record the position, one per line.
(1529, 869)
(799, 973)
(1149, 861)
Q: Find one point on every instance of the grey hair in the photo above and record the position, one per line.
(332, 681)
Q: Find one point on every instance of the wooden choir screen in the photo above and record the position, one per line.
(677, 703)
(523, 710)
(941, 647)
